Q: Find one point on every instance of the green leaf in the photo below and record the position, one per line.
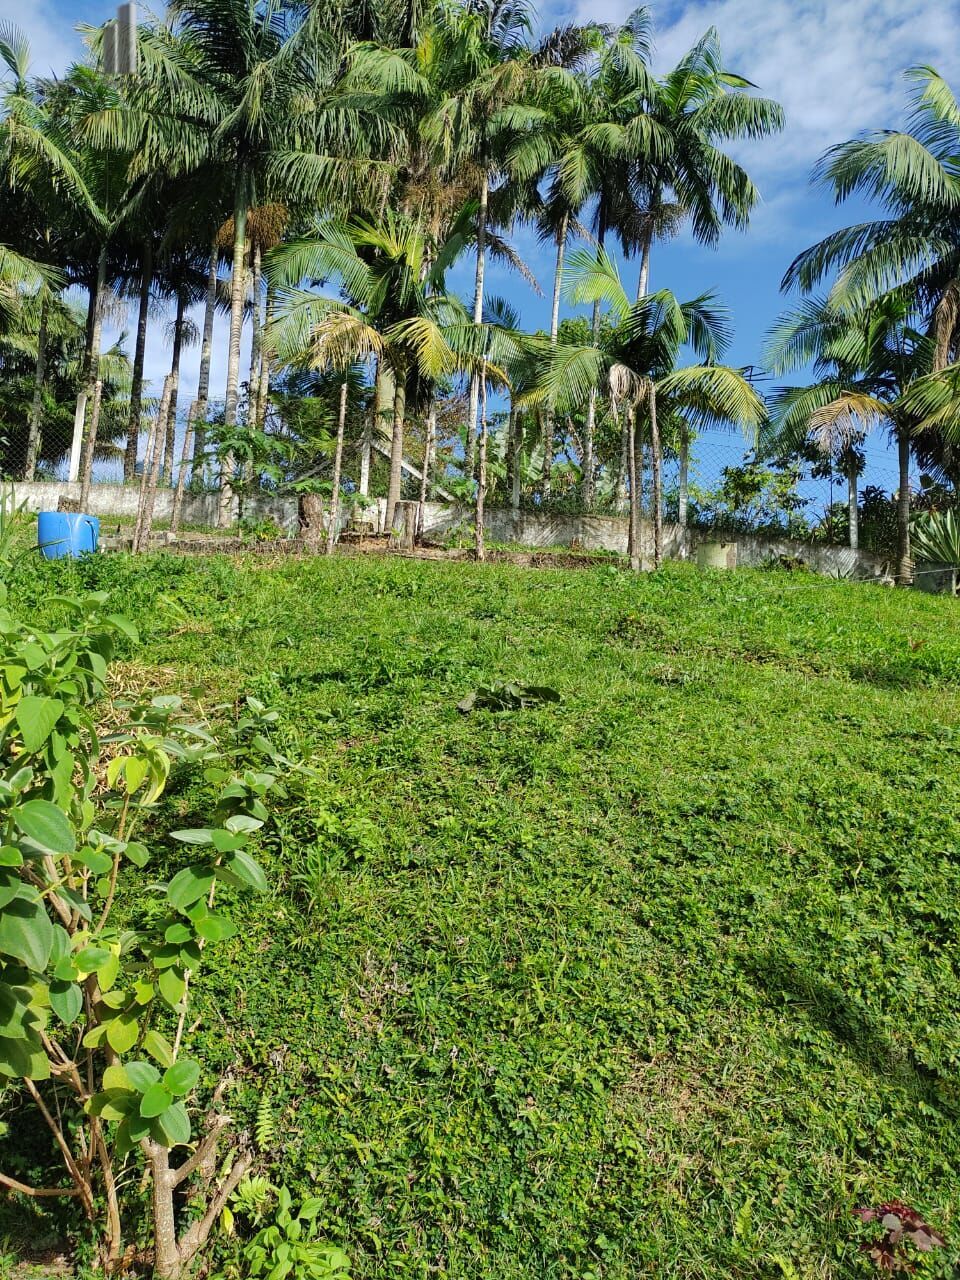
(182, 1077)
(116, 1077)
(46, 825)
(216, 928)
(178, 933)
(248, 870)
(172, 1128)
(26, 932)
(158, 1048)
(138, 854)
(23, 1058)
(172, 986)
(188, 885)
(10, 884)
(66, 1001)
(36, 718)
(155, 1101)
(123, 625)
(142, 1074)
(10, 857)
(227, 842)
(202, 835)
(122, 1033)
(242, 822)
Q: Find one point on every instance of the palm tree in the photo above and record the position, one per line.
(866, 365)
(392, 276)
(49, 195)
(636, 362)
(915, 177)
(243, 105)
(693, 110)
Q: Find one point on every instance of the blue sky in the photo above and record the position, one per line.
(835, 65)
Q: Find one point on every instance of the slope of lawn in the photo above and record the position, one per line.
(660, 980)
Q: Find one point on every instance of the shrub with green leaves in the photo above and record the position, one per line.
(93, 1010)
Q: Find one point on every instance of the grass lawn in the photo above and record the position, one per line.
(661, 980)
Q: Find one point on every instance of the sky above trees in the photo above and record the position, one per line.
(835, 65)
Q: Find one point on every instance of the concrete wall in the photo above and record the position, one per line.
(443, 520)
(121, 500)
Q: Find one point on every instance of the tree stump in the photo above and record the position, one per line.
(69, 505)
(310, 518)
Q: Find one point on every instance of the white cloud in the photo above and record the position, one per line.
(834, 65)
(54, 43)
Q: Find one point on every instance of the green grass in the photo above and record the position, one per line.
(659, 981)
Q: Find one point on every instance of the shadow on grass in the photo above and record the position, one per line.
(784, 980)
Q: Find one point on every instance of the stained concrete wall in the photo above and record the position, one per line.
(443, 520)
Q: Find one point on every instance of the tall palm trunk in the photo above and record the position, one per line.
(334, 529)
(429, 448)
(89, 448)
(480, 532)
(170, 438)
(683, 496)
(139, 359)
(91, 362)
(646, 242)
(263, 395)
(516, 444)
(589, 431)
(471, 441)
(232, 396)
(546, 431)
(206, 357)
(396, 447)
(39, 379)
(657, 480)
(256, 344)
(554, 332)
(904, 567)
(633, 541)
(853, 514)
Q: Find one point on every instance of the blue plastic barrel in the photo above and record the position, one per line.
(65, 533)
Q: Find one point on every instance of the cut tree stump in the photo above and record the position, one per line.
(310, 518)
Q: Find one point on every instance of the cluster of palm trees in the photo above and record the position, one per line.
(883, 340)
(317, 170)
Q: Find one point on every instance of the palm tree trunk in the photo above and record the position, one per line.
(91, 362)
(170, 440)
(853, 512)
(263, 397)
(89, 449)
(904, 566)
(39, 378)
(633, 542)
(396, 447)
(683, 496)
(643, 285)
(206, 357)
(429, 448)
(151, 469)
(183, 469)
(657, 480)
(333, 529)
(232, 396)
(623, 474)
(139, 358)
(480, 542)
(515, 445)
(471, 441)
(589, 431)
(256, 344)
(547, 432)
(554, 332)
